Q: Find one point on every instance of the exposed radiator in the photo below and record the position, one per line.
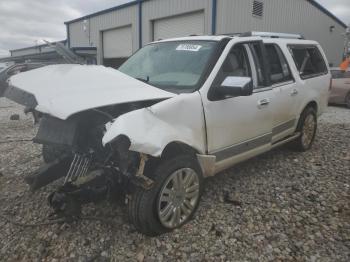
(78, 168)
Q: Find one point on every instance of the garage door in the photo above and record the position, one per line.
(182, 25)
(117, 46)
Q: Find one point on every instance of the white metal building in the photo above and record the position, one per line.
(47, 53)
(119, 31)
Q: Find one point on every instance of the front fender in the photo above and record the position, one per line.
(151, 129)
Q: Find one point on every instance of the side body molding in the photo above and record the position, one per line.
(150, 130)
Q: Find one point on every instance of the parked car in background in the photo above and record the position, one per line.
(7, 71)
(340, 92)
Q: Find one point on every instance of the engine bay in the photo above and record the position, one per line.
(90, 171)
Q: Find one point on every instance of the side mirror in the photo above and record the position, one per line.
(236, 86)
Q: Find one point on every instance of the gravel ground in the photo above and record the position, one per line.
(282, 206)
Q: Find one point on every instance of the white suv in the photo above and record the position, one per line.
(177, 111)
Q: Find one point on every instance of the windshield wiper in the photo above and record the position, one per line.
(145, 80)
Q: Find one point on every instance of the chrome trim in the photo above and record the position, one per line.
(276, 35)
(283, 127)
(294, 92)
(251, 144)
(229, 162)
(283, 84)
(262, 89)
(242, 147)
(286, 140)
(263, 102)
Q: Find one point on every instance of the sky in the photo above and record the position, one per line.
(26, 23)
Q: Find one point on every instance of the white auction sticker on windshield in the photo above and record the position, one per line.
(188, 47)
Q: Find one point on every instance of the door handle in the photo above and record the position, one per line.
(294, 92)
(263, 102)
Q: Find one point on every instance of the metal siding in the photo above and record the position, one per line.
(288, 16)
(117, 42)
(232, 16)
(78, 37)
(28, 51)
(157, 9)
(182, 25)
(123, 17)
(33, 50)
(118, 18)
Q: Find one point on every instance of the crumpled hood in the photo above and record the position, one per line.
(63, 90)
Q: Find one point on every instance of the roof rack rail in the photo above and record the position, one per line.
(272, 35)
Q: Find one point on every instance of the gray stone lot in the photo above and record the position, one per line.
(282, 205)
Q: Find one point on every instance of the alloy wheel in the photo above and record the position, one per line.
(308, 130)
(178, 197)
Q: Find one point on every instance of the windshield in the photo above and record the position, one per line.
(174, 66)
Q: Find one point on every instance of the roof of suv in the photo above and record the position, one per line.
(285, 38)
(191, 38)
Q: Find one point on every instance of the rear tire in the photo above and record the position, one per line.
(307, 127)
(173, 199)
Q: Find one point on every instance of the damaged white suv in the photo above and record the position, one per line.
(177, 111)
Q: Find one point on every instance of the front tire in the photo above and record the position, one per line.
(173, 199)
(307, 127)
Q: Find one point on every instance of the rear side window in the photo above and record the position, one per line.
(279, 70)
(308, 60)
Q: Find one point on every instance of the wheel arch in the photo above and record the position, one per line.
(313, 104)
(176, 148)
(206, 162)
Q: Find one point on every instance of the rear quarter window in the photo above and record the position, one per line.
(308, 60)
(279, 69)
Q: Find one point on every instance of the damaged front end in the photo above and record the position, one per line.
(91, 172)
(73, 103)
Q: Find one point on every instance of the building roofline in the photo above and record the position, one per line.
(36, 46)
(135, 2)
(30, 56)
(327, 12)
(313, 2)
(84, 48)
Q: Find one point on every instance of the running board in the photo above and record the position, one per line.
(286, 140)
